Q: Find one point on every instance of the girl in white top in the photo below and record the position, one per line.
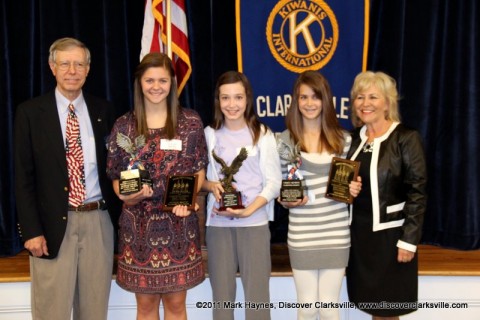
(239, 239)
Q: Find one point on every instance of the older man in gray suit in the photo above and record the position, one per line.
(65, 202)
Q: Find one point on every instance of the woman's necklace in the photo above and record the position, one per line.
(368, 147)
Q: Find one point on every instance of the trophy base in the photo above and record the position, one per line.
(132, 181)
(291, 191)
(231, 200)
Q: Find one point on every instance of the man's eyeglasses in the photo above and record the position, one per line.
(65, 65)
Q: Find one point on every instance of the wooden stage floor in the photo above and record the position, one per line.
(433, 261)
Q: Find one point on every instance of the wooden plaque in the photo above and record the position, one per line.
(180, 190)
(342, 172)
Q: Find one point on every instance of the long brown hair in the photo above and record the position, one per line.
(155, 60)
(251, 119)
(331, 133)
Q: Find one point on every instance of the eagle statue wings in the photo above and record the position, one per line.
(230, 171)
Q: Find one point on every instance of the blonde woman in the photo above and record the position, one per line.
(388, 213)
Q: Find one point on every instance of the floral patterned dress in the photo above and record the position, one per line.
(159, 252)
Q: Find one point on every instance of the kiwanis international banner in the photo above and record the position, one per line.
(277, 40)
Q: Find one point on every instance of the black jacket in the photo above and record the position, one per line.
(398, 175)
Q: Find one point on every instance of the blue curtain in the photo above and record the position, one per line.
(432, 48)
(429, 46)
(111, 29)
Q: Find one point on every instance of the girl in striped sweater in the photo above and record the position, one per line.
(318, 230)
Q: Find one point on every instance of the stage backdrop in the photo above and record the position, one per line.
(277, 40)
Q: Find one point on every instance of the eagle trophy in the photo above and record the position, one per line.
(230, 171)
(132, 148)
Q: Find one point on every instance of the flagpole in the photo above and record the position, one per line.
(169, 28)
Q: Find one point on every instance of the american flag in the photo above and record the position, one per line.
(154, 37)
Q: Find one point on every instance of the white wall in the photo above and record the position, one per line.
(15, 300)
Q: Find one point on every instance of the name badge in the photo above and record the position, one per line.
(174, 144)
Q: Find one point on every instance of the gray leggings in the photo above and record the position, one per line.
(244, 249)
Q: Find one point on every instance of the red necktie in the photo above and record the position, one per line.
(75, 164)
